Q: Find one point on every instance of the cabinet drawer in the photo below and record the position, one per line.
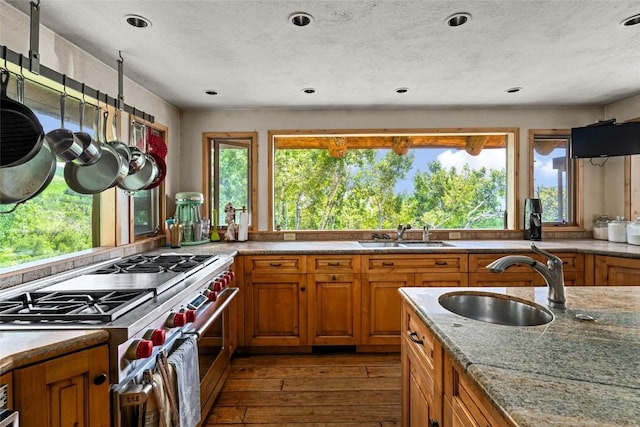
(570, 261)
(424, 345)
(333, 264)
(440, 263)
(274, 264)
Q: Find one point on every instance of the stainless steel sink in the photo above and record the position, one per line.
(403, 244)
(425, 244)
(496, 308)
(380, 244)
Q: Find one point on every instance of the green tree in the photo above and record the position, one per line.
(469, 198)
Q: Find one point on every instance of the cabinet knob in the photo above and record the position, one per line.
(433, 423)
(302, 289)
(100, 379)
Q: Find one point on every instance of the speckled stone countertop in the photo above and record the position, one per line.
(21, 348)
(566, 373)
(601, 247)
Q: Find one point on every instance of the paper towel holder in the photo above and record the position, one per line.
(243, 226)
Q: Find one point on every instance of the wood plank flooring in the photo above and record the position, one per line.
(325, 390)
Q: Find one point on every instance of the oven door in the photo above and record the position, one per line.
(213, 330)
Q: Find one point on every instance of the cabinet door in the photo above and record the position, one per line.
(71, 390)
(276, 310)
(334, 309)
(616, 271)
(421, 399)
(381, 307)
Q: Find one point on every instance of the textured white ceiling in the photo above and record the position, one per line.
(356, 53)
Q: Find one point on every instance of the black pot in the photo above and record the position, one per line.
(21, 133)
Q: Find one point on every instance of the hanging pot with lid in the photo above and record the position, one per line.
(21, 134)
(107, 172)
(25, 181)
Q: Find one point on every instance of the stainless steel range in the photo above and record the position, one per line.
(146, 303)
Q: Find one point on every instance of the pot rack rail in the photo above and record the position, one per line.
(25, 63)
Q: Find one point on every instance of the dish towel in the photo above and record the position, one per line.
(184, 361)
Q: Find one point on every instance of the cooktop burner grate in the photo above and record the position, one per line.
(157, 264)
(101, 306)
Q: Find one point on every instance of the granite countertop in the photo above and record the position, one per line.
(22, 348)
(299, 247)
(566, 373)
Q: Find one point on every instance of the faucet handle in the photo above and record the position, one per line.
(551, 257)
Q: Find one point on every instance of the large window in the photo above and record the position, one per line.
(554, 176)
(363, 181)
(57, 221)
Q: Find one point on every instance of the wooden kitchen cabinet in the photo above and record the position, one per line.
(275, 301)
(435, 390)
(616, 271)
(465, 405)
(421, 375)
(384, 274)
(523, 275)
(71, 390)
(334, 301)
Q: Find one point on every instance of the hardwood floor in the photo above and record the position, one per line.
(328, 390)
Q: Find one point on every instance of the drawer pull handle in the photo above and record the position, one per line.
(441, 262)
(413, 336)
(333, 264)
(387, 264)
(275, 264)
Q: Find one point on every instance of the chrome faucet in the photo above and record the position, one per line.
(552, 272)
(401, 230)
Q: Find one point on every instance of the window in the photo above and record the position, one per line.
(58, 221)
(146, 203)
(231, 174)
(340, 181)
(554, 176)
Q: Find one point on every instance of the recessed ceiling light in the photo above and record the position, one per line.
(309, 90)
(402, 90)
(300, 19)
(458, 19)
(211, 92)
(138, 21)
(633, 20)
(514, 89)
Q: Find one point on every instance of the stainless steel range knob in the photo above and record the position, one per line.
(158, 337)
(210, 294)
(191, 315)
(175, 320)
(139, 349)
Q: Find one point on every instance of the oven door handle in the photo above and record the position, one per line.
(200, 327)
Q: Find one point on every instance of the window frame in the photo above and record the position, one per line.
(208, 147)
(575, 180)
(512, 139)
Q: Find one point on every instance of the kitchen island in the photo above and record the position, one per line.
(569, 372)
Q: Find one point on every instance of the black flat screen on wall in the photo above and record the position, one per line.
(604, 141)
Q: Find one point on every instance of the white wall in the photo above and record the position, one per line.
(194, 123)
(101, 74)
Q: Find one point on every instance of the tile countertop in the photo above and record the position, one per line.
(601, 247)
(566, 373)
(21, 348)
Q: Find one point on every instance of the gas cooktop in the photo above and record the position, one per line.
(104, 294)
